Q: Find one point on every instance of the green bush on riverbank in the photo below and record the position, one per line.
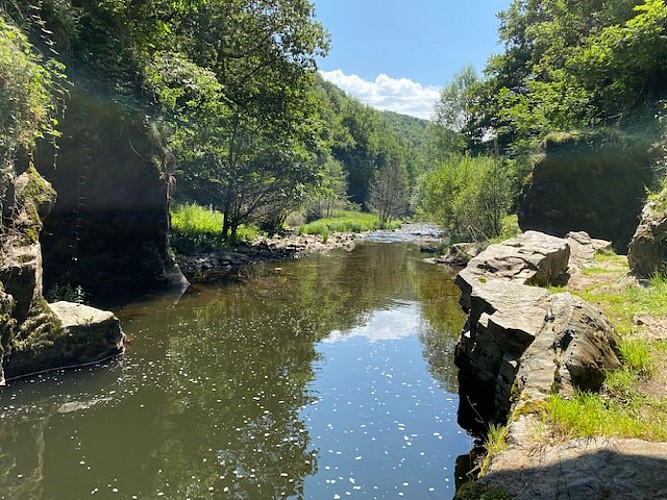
(346, 221)
(198, 229)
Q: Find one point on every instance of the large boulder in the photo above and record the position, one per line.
(574, 350)
(109, 229)
(533, 258)
(63, 335)
(647, 254)
(520, 338)
(593, 182)
(503, 321)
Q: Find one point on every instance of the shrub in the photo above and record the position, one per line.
(198, 229)
(469, 197)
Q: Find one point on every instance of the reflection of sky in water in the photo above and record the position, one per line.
(382, 426)
(392, 324)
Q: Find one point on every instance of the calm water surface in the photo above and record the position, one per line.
(328, 377)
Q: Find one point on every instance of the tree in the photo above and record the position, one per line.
(389, 190)
(29, 96)
(570, 65)
(469, 197)
(458, 111)
(249, 132)
(330, 192)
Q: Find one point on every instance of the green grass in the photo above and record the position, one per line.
(590, 415)
(495, 444)
(509, 228)
(197, 229)
(346, 221)
(622, 408)
(622, 305)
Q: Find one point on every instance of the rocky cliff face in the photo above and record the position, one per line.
(593, 182)
(108, 230)
(35, 337)
(519, 338)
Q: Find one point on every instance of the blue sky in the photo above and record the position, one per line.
(396, 54)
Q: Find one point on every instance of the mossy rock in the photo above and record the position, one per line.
(589, 181)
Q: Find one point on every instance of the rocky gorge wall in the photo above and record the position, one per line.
(108, 231)
(98, 220)
(519, 339)
(589, 181)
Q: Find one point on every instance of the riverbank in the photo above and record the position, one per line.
(608, 441)
(211, 266)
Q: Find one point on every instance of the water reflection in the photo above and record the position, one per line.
(210, 398)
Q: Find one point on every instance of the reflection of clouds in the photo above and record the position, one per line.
(400, 95)
(393, 324)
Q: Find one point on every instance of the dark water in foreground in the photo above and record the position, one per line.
(328, 377)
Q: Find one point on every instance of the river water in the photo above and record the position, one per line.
(328, 377)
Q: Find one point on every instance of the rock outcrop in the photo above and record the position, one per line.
(108, 231)
(33, 335)
(459, 254)
(519, 337)
(533, 258)
(571, 181)
(647, 253)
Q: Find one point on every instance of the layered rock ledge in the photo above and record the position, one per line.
(522, 344)
(519, 338)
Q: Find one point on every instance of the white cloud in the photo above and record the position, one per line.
(392, 324)
(385, 93)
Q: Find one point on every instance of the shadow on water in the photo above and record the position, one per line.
(207, 399)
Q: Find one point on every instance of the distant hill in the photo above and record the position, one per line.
(411, 128)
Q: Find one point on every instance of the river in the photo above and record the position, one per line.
(327, 377)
